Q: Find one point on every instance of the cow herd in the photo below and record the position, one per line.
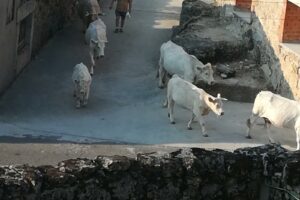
(186, 70)
(95, 37)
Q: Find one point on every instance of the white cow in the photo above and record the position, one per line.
(82, 81)
(174, 60)
(194, 99)
(276, 110)
(95, 37)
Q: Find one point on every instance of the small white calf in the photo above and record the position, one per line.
(174, 60)
(194, 99)
(82, 81)
(276, 110)
(95, 37)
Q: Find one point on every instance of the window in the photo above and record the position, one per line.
(10, 11)
(22, 35)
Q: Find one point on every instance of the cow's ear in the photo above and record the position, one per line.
(219, 97)
(208, 65)
(95, 42)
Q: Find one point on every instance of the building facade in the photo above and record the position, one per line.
(25, 27)
(16, 31)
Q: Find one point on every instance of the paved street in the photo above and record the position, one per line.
(125, 102)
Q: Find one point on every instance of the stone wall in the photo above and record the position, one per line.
(266, 172)
(49, 17)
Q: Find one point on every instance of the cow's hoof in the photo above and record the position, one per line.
(161, 87)
(189, 128)
(77, 107)
(205, 135)
(173, 122)
(248, 137)
(168, 114)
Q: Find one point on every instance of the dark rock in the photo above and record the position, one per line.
(226, 70)
(114, 163)
(211, 40)
(196, 9)
(54, 178)
(79, 167)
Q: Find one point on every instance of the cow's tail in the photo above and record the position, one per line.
(160, 62)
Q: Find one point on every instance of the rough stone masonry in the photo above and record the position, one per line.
(184, 174)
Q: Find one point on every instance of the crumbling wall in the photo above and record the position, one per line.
(258, 36)
(279, 63)
(183, 174)
(267, 25)
(49, 17)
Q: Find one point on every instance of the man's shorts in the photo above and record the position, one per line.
(121, 14)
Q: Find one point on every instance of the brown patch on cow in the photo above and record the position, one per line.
(267, 122)
(211, 100)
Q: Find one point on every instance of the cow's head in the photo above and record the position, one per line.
(98, 47)
(81, 89)
(216, 104)
(203, 72)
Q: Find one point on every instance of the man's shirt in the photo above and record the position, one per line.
(123, 5)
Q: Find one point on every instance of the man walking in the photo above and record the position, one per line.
(123, 6)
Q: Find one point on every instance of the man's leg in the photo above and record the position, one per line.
(117, 22)
(101, 4)
(123, 17)
(122, 24)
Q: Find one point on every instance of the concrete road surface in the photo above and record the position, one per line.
(125, 102)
